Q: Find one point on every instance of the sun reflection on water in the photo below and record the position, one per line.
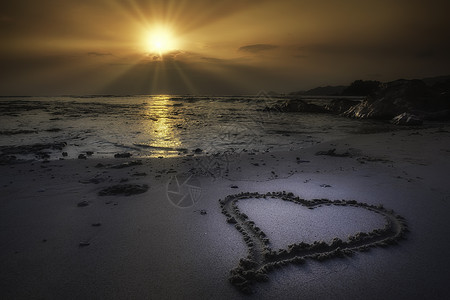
(161, 126)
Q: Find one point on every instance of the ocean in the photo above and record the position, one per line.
(163, 125)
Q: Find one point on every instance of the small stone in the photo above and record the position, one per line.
(203, 212)
(84, 244)
(234, 187)
(83, 203)
(325, 185)
(198, 151)
(82, 156)
(96, 224)
(65, 154)
(122, 155)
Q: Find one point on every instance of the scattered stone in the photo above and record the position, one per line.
(122, 155)
(54, 130)
(95, 180)
(299, 161)
(198, 151)
(123, 189)
(332, 152)
(14, 132)
(139, 174)
(31, 149)
(83, 203)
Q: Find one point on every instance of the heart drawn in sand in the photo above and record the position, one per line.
(262, 259)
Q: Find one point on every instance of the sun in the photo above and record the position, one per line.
(161, 40)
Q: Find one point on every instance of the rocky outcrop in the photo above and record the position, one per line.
(407, 119)
(297, 105)
(403, 96)
(339, 106)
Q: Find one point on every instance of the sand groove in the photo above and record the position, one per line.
(262, 259)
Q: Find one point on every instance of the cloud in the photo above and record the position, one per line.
(255, 48)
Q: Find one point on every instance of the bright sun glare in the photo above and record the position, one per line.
(161, 41)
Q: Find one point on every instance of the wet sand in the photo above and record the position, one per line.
(120, 228)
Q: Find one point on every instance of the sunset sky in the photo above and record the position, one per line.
(57, 47)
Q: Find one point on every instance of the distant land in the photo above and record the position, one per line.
(360, 87)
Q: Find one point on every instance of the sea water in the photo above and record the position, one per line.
(164, 125)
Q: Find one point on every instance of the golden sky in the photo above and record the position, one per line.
(54, 47)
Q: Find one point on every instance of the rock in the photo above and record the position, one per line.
(83, 203)
(332, 152)
(407, 119)
(198, 151)
(82, 156)
(297, 105)
(122, 155)
(339, 106)
(396, 97)
(139, 174)
(95, 180)
(124, 189)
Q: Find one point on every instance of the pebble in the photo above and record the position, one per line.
(83, 203)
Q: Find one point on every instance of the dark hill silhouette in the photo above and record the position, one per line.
(322, 91)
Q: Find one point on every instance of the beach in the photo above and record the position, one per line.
(224, 149)
(153, 227)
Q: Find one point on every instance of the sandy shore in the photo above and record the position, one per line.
(64, 235)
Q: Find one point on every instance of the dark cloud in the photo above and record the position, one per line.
(255, 48)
